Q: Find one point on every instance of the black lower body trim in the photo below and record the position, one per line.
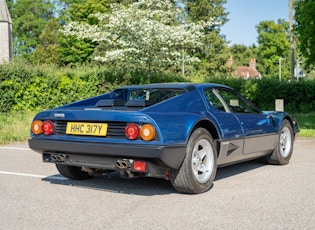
(170, 156)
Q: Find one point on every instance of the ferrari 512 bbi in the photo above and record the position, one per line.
(181, 132)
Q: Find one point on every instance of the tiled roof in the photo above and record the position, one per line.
(247, 72)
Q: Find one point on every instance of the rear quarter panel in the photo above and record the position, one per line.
(177, 116)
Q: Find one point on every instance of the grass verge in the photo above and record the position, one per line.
(15, 127)
(307, 123)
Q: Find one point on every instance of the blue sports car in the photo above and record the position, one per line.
(181, 132)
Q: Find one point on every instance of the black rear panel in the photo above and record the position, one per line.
(114, 130)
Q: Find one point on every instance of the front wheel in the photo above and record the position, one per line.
(72, 172)
(284, 146)
(198, 170)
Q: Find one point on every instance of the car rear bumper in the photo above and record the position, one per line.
(168, 156)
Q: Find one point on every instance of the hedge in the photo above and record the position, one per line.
(25, 87)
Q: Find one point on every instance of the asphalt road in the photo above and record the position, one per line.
(245, 196)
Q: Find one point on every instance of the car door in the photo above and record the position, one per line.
(259, 129)
(232, 134)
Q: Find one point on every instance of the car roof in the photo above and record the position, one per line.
(181, 85)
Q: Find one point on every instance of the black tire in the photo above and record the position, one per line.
(282, 153)
(72, 172)
(198, 170)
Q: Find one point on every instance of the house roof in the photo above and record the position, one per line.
(247, 72)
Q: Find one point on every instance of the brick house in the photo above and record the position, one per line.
(245, 72)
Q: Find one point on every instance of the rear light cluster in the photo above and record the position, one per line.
(132, 131)
(43, 127)
(146, 132)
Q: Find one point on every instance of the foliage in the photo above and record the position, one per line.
(36, 87)
(84, 10)
(15, 126)
(305, 27)
(29, 19)
(47, 49)
(306, 120)
(47, 45)
(203, 10)
(298, 96)
(214, 50)
(76, 51)
(273, 40)
(28, 87)
(242, 55)
(144, 35)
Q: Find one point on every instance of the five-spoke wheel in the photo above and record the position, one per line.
(198, 170)
(284, 146)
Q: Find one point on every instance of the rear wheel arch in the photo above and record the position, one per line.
(210, 127)
(287, 118)
(198, 170)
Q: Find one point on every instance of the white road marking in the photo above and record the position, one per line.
(34, 175)
(14, 148)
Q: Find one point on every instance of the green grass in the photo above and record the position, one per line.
(15, 127)
(307, 123)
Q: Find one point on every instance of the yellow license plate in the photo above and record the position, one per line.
(90, 129)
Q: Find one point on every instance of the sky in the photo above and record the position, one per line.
(244, 15)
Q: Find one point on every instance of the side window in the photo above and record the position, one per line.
(117, 94)
(236, 103)
(215, 100)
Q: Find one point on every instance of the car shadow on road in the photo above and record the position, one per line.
(144, 186)
(235, 169)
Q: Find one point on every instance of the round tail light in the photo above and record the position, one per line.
(132, 131)
(37, 127)
(147, 132)
(48, 127)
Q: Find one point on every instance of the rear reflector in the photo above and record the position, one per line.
(139, 166)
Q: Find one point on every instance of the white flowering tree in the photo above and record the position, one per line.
(143, 35)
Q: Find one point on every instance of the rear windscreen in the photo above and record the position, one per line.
(154, 94)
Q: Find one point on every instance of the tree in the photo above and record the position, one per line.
(75, 51)
(274, 43)
(84, 10)
(29, 19)
(143, 35)
(305, 27)
(214, 50)
(47, 49)
(242, 54)
(203, 10)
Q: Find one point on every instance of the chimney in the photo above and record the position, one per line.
(230, 61)
(252, 63)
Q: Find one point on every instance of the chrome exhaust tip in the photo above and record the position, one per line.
(123, 164)
(58, 158)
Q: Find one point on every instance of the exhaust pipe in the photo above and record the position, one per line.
(123, 164)
(58, 158)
